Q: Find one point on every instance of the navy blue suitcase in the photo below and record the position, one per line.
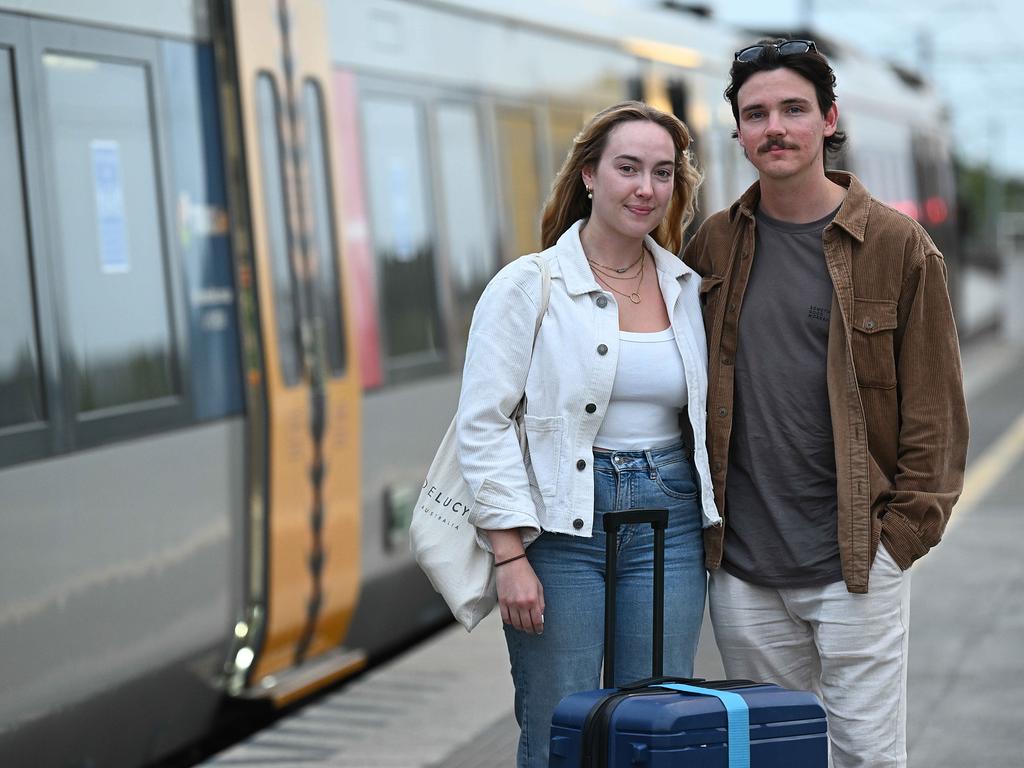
(681, 723)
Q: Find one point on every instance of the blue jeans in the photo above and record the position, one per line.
(567, 657)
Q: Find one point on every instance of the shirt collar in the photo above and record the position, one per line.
(576, 271)
(851, 216)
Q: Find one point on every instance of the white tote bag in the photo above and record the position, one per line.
(440, 535)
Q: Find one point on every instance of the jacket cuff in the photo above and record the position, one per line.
(902, 541)
(496, 507)
(528, 534)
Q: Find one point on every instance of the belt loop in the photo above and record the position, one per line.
(652, 470)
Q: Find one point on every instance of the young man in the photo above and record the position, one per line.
(837, 427)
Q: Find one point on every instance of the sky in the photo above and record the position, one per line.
(972, 50)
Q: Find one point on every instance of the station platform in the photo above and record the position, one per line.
(448, 701)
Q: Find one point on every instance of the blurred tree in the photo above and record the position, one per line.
(976, 214)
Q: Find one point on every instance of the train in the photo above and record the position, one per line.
(243, 240)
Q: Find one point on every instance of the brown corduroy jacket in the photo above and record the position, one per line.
(895, 385)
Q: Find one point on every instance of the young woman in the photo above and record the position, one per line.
(619, 364)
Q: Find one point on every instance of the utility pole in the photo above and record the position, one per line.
(806, 14)
(926, 53)
(993, 182)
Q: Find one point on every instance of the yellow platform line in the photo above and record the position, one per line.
(989, 469)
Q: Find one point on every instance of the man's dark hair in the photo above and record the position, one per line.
(810, 65)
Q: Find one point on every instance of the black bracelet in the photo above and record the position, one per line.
(517, 557)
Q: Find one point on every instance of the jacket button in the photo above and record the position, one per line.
(723, 412)
(602, 349)
(581, 465)
(726, 360)
(732, 307)
(577, 523)
(718, 466)
(602, 302)
(869, 324)
(590, 408)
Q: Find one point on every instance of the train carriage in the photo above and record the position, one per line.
(243, 242)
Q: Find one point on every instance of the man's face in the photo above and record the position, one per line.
(780, 127)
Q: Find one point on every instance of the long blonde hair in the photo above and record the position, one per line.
(568, 200)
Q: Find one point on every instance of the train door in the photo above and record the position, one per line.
(302, 380)
(521, 190)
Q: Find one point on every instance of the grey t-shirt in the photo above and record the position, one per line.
(780, 491)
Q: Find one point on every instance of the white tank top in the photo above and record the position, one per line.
(648, 392)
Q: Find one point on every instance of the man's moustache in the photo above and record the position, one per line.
(769, 145)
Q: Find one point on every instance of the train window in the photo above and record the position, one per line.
(326, 282)
(108, 225)
(404, 243)
(517, 134)
(21, 395)
(275, 212)
(468, 214)
(563, 125)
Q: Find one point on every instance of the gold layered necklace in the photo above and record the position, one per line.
(618, 270)
(603, 273)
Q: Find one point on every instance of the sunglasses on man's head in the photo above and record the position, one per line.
(787, 48)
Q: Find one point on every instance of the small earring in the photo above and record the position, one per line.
(590, 193)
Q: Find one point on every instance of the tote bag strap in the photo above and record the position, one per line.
(545, 292)
(545, 297)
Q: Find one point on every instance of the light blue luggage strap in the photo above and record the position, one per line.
(738, 717)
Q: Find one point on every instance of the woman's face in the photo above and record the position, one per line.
(633, 181)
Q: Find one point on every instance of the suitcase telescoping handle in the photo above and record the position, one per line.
(658, 520)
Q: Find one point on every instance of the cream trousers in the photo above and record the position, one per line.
(849, 649)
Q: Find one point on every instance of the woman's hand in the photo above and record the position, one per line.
(520, 593)
(521, 596)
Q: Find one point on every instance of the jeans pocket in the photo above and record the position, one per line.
(676, 479)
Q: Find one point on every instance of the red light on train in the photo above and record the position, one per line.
(908, 207)
(935, 210)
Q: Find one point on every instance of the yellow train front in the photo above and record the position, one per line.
(242, 245)
(180, 421)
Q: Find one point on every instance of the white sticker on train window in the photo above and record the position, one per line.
(110, 219)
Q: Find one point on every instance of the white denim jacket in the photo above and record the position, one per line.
(573, 365)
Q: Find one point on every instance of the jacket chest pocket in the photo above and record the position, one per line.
(874, 358)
